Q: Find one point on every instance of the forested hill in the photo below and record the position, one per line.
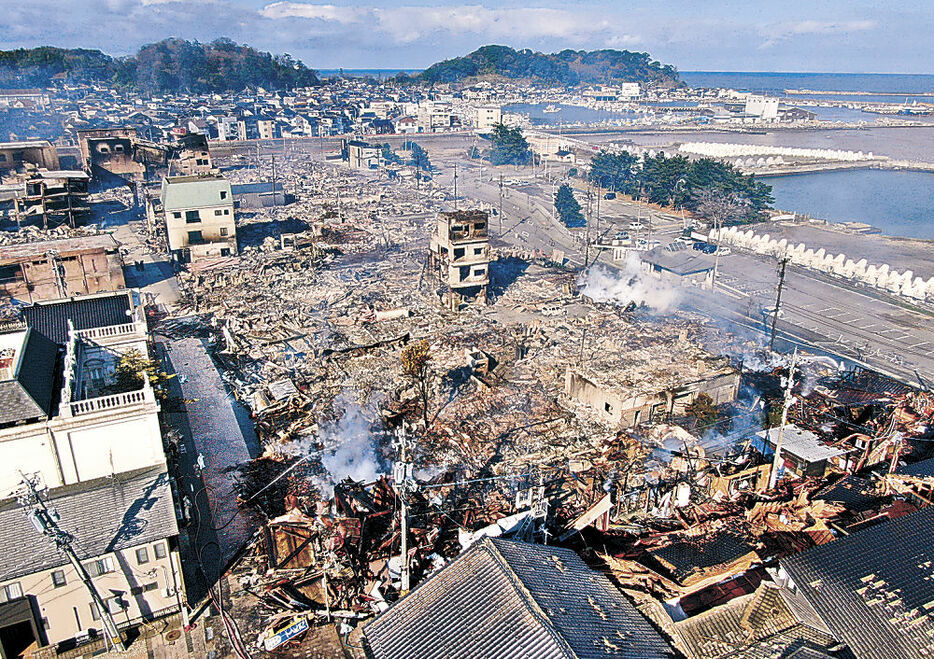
(167, 66)
(569, 67)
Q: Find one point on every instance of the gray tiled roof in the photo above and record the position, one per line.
(503, 599)
(29, 396)
(923, 469)
(104, 514)
(51, 318)
(875, 588)
(687, 556)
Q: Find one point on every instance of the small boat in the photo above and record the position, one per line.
(551, 108)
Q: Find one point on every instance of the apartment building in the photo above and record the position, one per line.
(460, 256)
(198, 212)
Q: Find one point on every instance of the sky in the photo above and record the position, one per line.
(859, 36)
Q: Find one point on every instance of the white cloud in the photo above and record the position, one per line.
(779, 32)
(330, 13)
(410, 24)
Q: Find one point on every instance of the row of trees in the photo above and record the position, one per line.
(679, 182)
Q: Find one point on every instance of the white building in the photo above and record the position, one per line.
(764, 107)
(97, 453)
(198, 212)
(487, 116)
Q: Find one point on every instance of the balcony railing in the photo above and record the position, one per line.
(112, 331)
(113, 401)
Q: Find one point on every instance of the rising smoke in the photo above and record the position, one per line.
(630, 285)
(349, 445)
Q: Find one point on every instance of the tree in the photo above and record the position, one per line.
(569, 210)
(129, 372)
(703, 410)
(720, 208)
(416, 365)
(509, 146)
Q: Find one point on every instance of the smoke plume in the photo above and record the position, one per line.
(630, 285)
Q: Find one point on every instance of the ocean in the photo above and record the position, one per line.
(899, 203)
(889, 85)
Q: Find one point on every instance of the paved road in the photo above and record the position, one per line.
(818, 311)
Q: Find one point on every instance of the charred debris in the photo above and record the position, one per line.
(642, 440)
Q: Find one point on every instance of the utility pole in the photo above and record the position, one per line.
(274, 203)
(501, 204)
(778, 300)
(45, 520)
(404, 484)
(455, 186)
(789, 400)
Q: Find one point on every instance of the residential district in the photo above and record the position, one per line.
(327, 373)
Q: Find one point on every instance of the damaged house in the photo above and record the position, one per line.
(650, 382)
(460, 256)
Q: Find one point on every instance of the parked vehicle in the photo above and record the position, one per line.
(610, 195)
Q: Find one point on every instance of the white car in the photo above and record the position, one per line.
(636, 226)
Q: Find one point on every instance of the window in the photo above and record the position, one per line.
(118, 148)
(226, 211)
(150, 587)
(2, 157)
(479, 226)
(58, 578)
(223, 194)
(195, 237)
(177, 215)
(11, 591)
(478, 250)
(479, 272)
(458, 252)
(142, 555)
(608, 408)
(159, 549)
(100, 566)
(192, 217)
(113, 604)
(223, 231)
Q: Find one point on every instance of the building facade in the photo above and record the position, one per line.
(198, 212)
(460, 257)
(59, 268)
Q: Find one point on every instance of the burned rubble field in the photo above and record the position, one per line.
(308, 327)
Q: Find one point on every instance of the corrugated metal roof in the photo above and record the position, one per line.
(504, 599)
(183, 192)
(104, 310)
(801, 443)
(104, 514)
(875, 588)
